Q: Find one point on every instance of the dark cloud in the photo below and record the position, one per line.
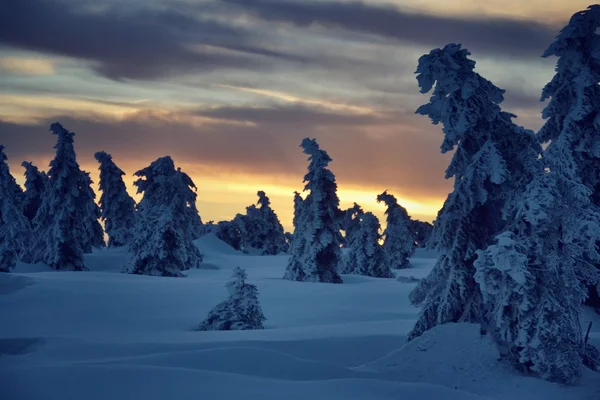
(495, 36)
(285, 115)
(403, 154)
(126, 42)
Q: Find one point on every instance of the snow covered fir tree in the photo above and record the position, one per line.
(259, 229)
(14, 226)
(162, 237)
(116, 206)
(366, 256)
(66, 224)
(241, 310)
(400, 241)
(35, 188)
(493, 160)
(350, 222)
(315, 255)
(536, 277)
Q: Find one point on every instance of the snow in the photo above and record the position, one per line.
(103, 334)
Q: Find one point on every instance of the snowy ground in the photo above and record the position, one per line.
(107, 335)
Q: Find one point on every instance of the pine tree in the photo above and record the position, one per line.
(35, 188)
(366, 255)
(493, 160)
(66, 223)
(162, 238)
(399, 243)
(572, 113)
(195, 226)
(317, 258)
(350, 222)
(241, 311)
(14, 226)
(92, 234)
(422, 231)
(262, 229)
(116, 206)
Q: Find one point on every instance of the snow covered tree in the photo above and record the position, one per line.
(572, 113)
(399, 242)
(493, 160)
(66, 224)
(231, 232)
(162, 238)
(241, 311)
(35, 188)
(262, 229)
(14, 226)
(422, 231)
(366, 255)
(195, 226)
(350, 222)
(316, 255)
(92, 234)
(116, 206)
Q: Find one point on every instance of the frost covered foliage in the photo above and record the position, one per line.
(261, 228)
(399, 242)
(241, 311)
(350, 222)
(14, 226)
(316, 255)
(422, 231)
(366, 255)
(572, 114)
(35, 188)
(66, 224)
(493, 159)
(116, 206)
(162, 237)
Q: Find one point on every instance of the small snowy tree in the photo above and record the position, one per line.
(241, 311)
(116, 205)
(573, 112)
(493, 160)
(35, 188)
(66, 224)
(231, 232)
(162, 239)
(366, 255)
(317, 257)
(399, 243)
(14, 226)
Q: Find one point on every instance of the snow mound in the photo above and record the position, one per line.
(211, 245)
(449, 354)
(149, 383)
(10, 283)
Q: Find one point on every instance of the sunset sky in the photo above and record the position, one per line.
(229, 88)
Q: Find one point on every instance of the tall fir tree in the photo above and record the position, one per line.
(572, 114)
(366, 256)
(241, 311)
(14, 226)
(493, 160)
(317, 257)
(36, 182)
(116, 205)
(400, 240)
(536, 277)
(162, 239)
(66, 224)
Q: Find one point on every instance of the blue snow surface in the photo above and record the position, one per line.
(109, 336)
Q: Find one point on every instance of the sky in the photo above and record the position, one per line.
(229, 88)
